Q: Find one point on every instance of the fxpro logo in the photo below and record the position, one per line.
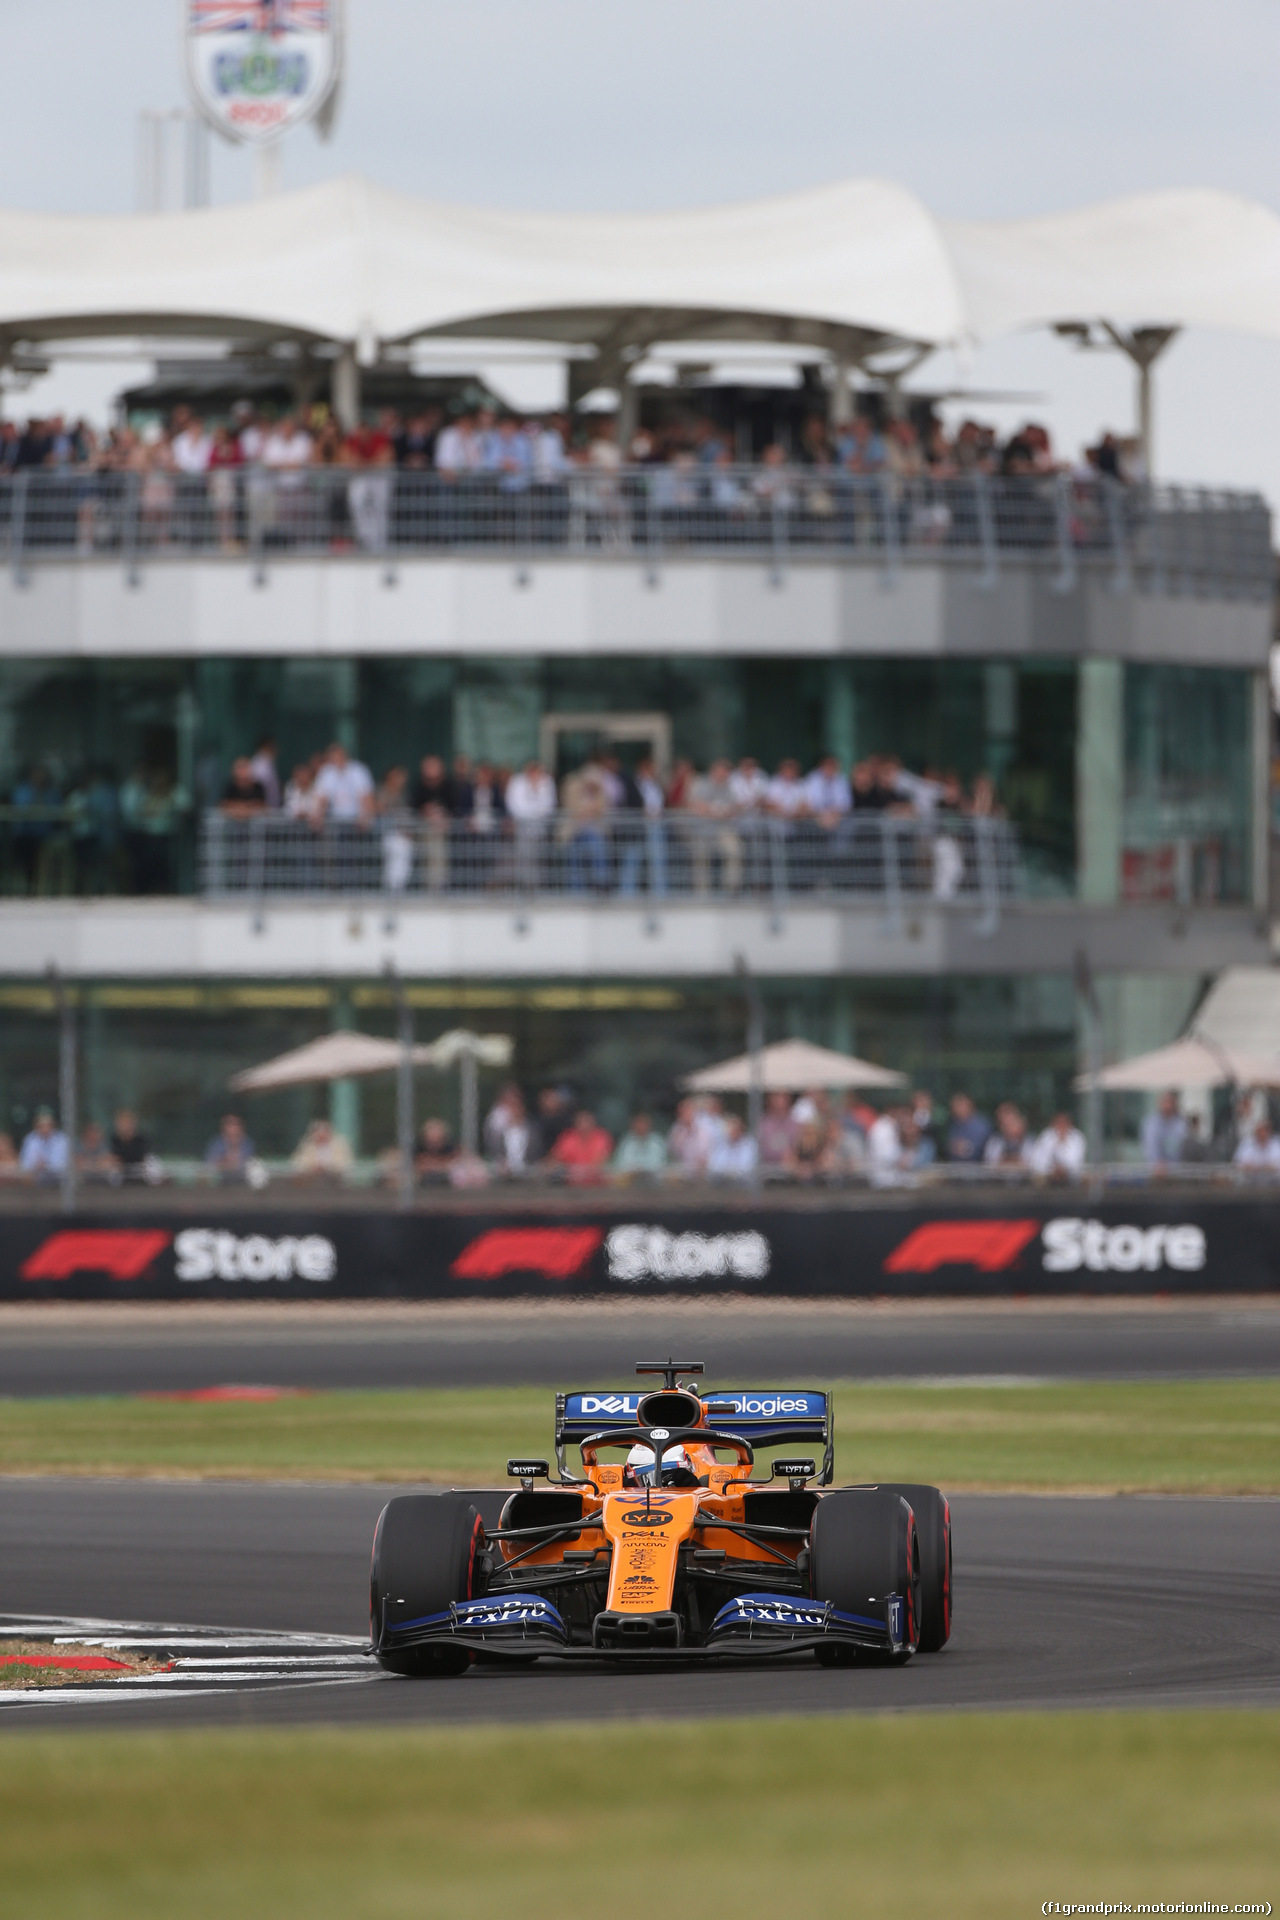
(204, 1254)
(651, 1253)
(1070, 1244)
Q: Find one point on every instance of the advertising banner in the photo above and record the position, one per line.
(1054, 1246)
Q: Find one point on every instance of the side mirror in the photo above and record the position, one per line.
(719, 1409)
(527, 1471)
(794, 1471)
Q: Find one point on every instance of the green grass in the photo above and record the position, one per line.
(964, 1815)
(1197, 1436)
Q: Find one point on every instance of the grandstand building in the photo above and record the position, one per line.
(1099, 649)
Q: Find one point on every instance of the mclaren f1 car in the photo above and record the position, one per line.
(675, 1551)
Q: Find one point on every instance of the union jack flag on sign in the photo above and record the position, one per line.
(259, 16)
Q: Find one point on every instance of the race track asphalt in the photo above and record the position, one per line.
(125, 1349)
(1130, 1601)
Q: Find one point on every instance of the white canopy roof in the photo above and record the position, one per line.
(1195, 258)
(842, 266)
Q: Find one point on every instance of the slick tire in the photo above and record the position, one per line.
(424, 1554)
(863, 1547)
(933, 1530)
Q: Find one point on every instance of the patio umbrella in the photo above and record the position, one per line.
(1189, 1062)
(469, 1052)
(790, 1066)
(334, 1056)
(346, 1056)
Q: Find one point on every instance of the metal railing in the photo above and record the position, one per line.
(626, 855)
(1163, 539)
(373, 1180)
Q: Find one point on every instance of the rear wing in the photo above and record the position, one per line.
(763, 1416)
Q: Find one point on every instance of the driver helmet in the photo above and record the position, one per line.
(639, 1470)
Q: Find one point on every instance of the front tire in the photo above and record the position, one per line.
(862, 1548)
(933, 1530)
(424, 1554)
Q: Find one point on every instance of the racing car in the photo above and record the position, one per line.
(673, 1552)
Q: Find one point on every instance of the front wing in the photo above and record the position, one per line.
(524, 1625)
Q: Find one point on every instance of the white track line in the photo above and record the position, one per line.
(204, 1660)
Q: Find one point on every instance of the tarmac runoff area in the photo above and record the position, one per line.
(1118, 1602)
(124, 1348)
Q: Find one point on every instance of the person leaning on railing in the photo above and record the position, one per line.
(530, 801)
(45, 1151)
(584, 809)
(1259, 1151)
(432, 801)
(711, 829)
(641, 1153)
(583, 1150)
(244, 795)
(1061, 1150)
(322, 1157)
(1009, 1146)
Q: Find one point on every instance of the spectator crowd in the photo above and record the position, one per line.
(525, 448)
(242, 478)
(465, 824)
(804, 1139)
(606, 827)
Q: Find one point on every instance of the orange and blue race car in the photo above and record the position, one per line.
(672, 1552)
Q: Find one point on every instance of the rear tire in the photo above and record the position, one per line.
(424, 1552)
(863, 1547)
(933, 1530)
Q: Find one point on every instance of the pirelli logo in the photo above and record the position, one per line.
(989, 1245)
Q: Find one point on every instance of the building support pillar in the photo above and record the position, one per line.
(1099, 780)
(344, 1095)
(345, 389)
(841, 392)
(1260, 792)
(628, 411)
(841, 734)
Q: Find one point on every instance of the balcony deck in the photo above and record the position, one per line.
(649, 560)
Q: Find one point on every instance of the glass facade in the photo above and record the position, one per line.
(105, 764)
(1187, 784)
(168, 1050)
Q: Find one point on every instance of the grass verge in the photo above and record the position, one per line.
(1190, 1436)
(963, 1814)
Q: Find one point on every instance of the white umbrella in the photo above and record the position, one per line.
(790, 1066)
(486, 1049)
(345, 1056)
(1189, 1062)
(334, 1056)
